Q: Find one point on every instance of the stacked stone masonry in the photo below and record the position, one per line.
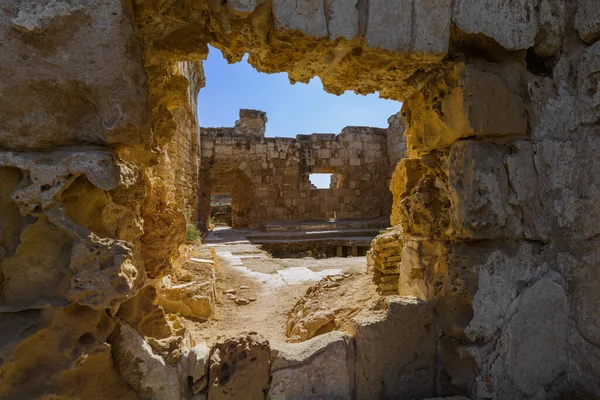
(497, 205)
(183, 151)
(268, 178)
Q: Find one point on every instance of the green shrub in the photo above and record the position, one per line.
(192, 233)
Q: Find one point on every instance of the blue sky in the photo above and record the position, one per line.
(291, 109)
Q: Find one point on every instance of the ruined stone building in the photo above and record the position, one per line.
(492, 262)
(268, 178)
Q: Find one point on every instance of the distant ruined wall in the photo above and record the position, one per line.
(496, 208)
(268, 178)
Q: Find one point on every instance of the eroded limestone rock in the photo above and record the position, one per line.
(86, 269)
(198, 362)
(504, 251)
(514, 24)
(465, 101)
(239, 368)
(66, 93)
(66, 347)
(406, 362)
(145, 371)
(191, 299)
(163, 332)
(321, 368)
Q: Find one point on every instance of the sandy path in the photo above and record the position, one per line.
(239, 263)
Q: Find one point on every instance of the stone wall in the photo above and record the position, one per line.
(494, 208)
(268, 178)
(183, 151)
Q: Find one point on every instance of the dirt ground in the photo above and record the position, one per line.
(276, 288)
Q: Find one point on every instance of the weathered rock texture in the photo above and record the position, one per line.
(239, 368)
(321, 368)
(395, 350)
(498, 204)
(268, 178)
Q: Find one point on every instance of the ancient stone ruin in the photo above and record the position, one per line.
(488, 275)
(268, 178)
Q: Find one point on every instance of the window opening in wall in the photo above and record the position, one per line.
(220, 209)
(324, 181)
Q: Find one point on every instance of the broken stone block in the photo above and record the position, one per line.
(198, 357)
(307, 16)
(251, 122)
(239, 368)
(404, 367)
(536, 337)
(192, 299)
(405, 26)
(304, 322)
(320, 368)
(69, 103)
(533, 346)
(384, 257)
(342, 18)
(513, 24)
(147, 373)
(467, 101)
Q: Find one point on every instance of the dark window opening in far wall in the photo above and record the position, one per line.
(220, 209)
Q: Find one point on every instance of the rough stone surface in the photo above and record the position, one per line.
(409, 26)
(65, 85)
(191, 299)
(384, 257)
(239, 368)
(145, 371)
(198, 362)
(342, 18)
(307, 16)
(321, 368)
(396, 145)
(467, 101)
(587, 20)
(406, 363)
(513, 24)
(498, 204)
(66, 347)
(540, 323)
(251, 122)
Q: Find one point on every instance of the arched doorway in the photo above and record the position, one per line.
(230, 180)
